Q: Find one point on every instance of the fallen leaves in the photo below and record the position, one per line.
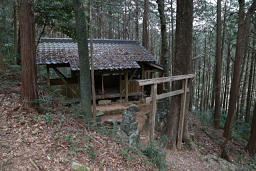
(35, 144)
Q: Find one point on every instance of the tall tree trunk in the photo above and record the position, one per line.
(29, 89)
(85, 79)
(119, 28)
(208, 85)
(15, 30)
(218, 69)
(165, 61)
(182, 63)
(203, 82)
(249, 92)
(227, 75)
(137, 19)
(251, 146)
(172, 25)
(223, 42)
(243, 33)
(240, 85)
(125, 21)
(241, 104)
(145, 36)
(110, 23)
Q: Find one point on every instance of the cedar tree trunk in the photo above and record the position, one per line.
(85, 79)
(218, 66)
(165, 60)
(145, 25)
(251, 146)
(29, 89)
(137, 19)
(250, 88)
(242, 34)
(182, 64)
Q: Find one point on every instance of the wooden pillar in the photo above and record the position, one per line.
(153, 114)
(126, 86)
(182, 113)
(120, 86)
(48, 76)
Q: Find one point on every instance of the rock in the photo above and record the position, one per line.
(104, 102)
(161, 113)
(134, 137)
(129, 128)
(133, 108)
(79, 167)
(129, 125)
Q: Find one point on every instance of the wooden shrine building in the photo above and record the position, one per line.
(117, 64)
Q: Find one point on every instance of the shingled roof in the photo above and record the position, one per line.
(108, 54)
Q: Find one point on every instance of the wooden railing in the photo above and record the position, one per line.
(154, 97)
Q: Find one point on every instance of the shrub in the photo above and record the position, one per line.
(156, 155)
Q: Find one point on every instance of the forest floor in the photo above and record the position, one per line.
(55, 137)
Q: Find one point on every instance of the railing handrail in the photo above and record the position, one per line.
(164, 79)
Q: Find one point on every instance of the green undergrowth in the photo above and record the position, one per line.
(153, 153)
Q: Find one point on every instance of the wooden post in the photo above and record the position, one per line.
(153, 114)
(182, 113)
(92, 66)
(120, 86)
(126, 86)
(48, 76)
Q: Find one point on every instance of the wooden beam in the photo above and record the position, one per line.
(156, 66)
(64, 79)
(59, 73)
(153, 114)
(182, 113)
(165, 95)
(58, 65)
(126, 86)
(164, 79)
(142, 87)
